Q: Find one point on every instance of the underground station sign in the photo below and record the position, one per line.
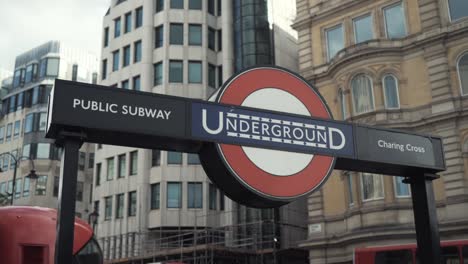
(266, 138)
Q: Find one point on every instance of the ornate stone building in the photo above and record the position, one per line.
(397, 64)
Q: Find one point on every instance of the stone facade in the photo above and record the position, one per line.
(425, 62)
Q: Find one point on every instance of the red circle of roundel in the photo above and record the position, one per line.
(256, 179)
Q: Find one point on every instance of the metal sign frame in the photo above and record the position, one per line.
(81, 112)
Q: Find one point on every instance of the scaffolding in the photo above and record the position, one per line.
(264, 241)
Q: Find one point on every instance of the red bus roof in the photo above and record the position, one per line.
(24, 225)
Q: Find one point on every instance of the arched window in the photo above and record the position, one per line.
(363, 97)
(458, 9)
(390, 86)
(342, 99)
(463, 73)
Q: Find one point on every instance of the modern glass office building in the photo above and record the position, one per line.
(151, 201)
(23, 123)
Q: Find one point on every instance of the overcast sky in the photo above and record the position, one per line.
(25, 24)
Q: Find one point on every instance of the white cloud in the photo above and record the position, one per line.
(25, 24)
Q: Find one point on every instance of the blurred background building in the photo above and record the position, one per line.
(396, 64)
(23, 121)
(159, 205)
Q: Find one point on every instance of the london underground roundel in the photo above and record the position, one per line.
(260, 177)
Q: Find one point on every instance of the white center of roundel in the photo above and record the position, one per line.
(281, 163)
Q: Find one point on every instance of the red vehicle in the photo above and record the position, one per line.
(453, 252)
(27, 236)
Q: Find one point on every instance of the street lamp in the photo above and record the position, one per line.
(93, 217)
(17, 160)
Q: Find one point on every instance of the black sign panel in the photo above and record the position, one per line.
(147, 120)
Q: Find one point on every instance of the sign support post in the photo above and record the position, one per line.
(71, 143)
(425, 218)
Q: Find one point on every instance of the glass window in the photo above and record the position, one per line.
(14, 153)
(211, 38)
(74, 72)
(20, 101)
(335, 41)
(108, 208)
(465, 254)
(56, 186)
(119, 206)
(350, 190)
(29, 73)
(195, 4)
(212, 197)
(401, 189)
(43, 68)
(342, 98)
(91, 161)
(128, 22)
(110, 168)
(195, 35)
(176, 34)
(394, 256)
(79, 191)
(12, 104)
(195, 195)
(81, 160)
(137, 52)
(43, 151)
(122, 165)
(174, 157)
(26, 150)
(132, 203)
(395, 25)
(115, 60)
(98, 174)
(363, 29)
(155, 157)
(18, 188)
(211, 75)
(41, 185)
(106, 36)
(117, 27)
(159, 5)
(10, 187)
(26, 186)
(221, 201)
(126, 57)
(3, 187)
(16, 78)
(372, 186)
(193, 159)
(137, 83)
(9, 130)
(6, 162)
(211, 7)
(458, 9)
(174, 195)
(363, 97)
(155, 196)
(463, 73)
(158, 73)
(159, 36)
(450, 255)
(390, 86)
(104, 69)
(125, 84)
(195, 72)
(52, 67)
(176, 72)
(2, 133)
(177, 4)
(219, 7)
(29, 120)
(139, 17)
(133, 162)
(17, 129)
(42, 121)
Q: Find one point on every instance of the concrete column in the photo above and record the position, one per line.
(228, 39)
(429, 13)
(147, 46)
